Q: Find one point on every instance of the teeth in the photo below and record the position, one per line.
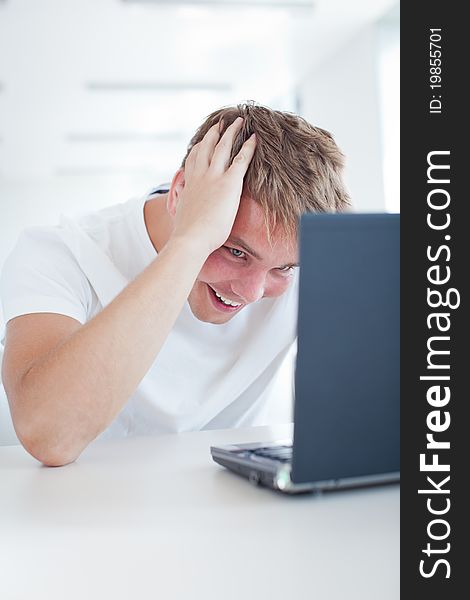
(225, 301)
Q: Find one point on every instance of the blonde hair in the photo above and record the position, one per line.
(296, 168)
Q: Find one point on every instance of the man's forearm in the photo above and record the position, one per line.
(71, 395)
(64, 397)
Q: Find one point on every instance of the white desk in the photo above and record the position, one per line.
(157, 518)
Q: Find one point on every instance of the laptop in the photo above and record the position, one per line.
(347, 377)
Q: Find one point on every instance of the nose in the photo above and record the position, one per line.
(250, 287)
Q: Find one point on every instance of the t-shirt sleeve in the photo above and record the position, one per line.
(42, 276)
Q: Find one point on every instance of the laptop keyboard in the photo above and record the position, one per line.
(280, 453)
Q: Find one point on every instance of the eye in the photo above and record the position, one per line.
(286, 270)
(235, 252)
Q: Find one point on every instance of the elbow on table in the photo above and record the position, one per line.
(48, 455)
(45, 448)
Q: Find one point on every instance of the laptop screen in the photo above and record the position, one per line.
(347, 375)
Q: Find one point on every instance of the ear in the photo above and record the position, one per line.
(177, 185)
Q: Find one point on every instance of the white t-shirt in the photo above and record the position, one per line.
(205, 376)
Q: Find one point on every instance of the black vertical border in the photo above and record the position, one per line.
(421, 133)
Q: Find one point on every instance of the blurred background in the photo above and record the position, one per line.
(99, 98)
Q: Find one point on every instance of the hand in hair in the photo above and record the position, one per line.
(208, 199)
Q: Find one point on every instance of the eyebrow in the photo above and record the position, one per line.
(244, 246)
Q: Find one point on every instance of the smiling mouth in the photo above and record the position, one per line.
(222, 302)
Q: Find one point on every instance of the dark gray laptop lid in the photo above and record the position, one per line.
(347, 375)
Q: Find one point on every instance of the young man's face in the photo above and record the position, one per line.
(247, 268)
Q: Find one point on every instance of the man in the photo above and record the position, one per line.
(171, 313)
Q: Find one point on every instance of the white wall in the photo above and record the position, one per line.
(342, 96)
(390, 103)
